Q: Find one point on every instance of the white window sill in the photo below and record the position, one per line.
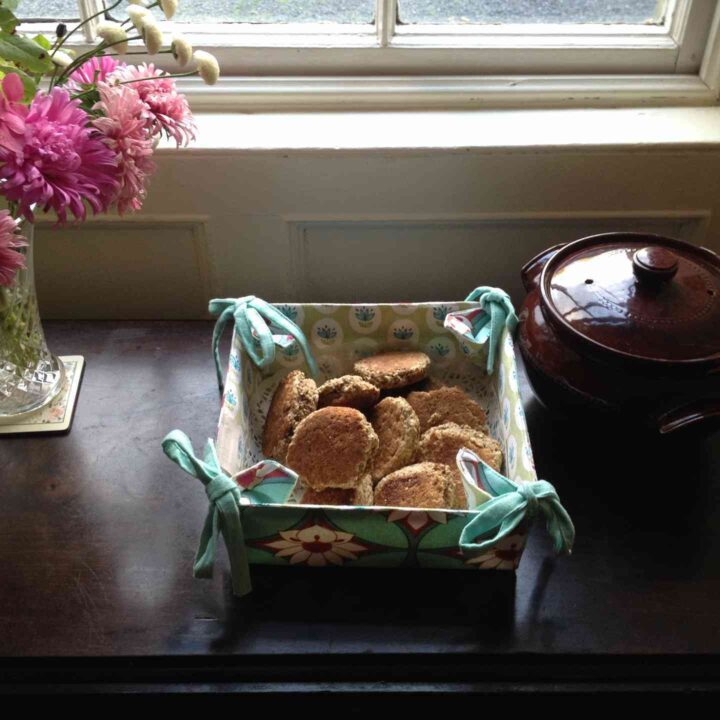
(487, 131)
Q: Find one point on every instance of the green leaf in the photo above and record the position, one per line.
(88, 100)
(29, 85)
(8, 22)
(42, 41)
(9, 4)
(24, 53)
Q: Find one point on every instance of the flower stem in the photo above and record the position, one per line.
(168, 75)
(140, 52)
(64, 38)
(86, 56)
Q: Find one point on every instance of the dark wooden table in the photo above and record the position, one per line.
(98, 532)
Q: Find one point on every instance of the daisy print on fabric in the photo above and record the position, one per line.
(316, 546)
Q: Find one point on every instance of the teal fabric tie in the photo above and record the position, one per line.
(511, 504)
(252, 319)
(223, 514)
(499, 314)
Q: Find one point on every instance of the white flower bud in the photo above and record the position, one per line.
(207, 66)
(152, 37)
(61, 59)
(114, 35)
(181, 49)
(138, 15)
(169, 7)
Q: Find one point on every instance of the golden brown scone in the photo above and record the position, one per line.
(393, 369)
(361, 495)
(423, 485)
(444, 405)
(398, 431)
(425, 385)
(295, 398)
(332, 448)
(348, 391)
(440, 444)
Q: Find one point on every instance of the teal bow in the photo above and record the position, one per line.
(511, 504)
(223, 514)
(252, 318)
(499, 314)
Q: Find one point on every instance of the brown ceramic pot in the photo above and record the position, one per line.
(625, 324)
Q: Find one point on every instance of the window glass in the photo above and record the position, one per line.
(48, 10)
(457, 12)
(277, 11)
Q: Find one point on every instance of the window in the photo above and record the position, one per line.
(43, 10)
(319, 53)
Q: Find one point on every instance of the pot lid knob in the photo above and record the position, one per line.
(654, 264)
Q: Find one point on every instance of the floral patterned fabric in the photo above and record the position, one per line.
(338, 335)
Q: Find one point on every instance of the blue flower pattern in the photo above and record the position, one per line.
(288, 312)
(326, 332)
(364, 314)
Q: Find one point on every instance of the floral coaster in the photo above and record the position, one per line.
(58, 415)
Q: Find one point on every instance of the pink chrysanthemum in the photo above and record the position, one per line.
(95, 70)
(124, 127)
(50, 157)
(169, 111)
(10, 259)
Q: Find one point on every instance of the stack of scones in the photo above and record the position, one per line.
(386, 435)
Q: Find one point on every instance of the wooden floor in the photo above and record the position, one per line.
(98, 530)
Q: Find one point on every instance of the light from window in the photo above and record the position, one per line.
(487, 12)
(48, 10)
(278, 11)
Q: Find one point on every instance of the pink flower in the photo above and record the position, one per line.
(11, 111)
(95, 70)
(124, 128)
(10, 260)
(169, 111)
(49, 156)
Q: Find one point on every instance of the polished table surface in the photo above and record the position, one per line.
(98, 531)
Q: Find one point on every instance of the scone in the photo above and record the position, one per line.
(425, 385)
(447, 405)
(398, 431)
(361, 495)
(295, 398)
(348, 391)
(393, 369)
(424, 485)
(441, 444)
(332, 448)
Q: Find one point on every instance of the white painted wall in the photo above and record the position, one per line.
(353, 222)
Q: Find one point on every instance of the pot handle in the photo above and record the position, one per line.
(530, 272)
(705, 411)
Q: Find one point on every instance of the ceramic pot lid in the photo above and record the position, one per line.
(636, 297)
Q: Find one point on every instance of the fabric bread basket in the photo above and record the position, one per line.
(253, 502)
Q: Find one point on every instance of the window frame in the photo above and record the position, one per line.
(386, 66)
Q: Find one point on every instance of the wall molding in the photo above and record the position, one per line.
(694, 225)
(142, 227)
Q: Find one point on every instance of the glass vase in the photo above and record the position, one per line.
(30, 375)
